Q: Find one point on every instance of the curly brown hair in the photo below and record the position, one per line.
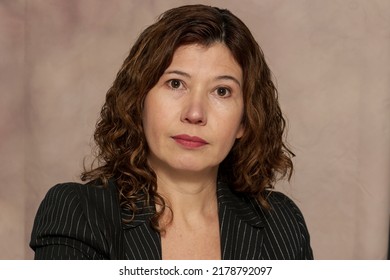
(256, 160)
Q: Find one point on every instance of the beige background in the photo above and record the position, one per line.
(331, 60)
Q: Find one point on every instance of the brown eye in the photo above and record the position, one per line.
(223, 92)
(175, 84)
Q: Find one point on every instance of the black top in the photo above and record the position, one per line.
(77, 221)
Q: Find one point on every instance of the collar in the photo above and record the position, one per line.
(240, 205)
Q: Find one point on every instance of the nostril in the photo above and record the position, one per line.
(198, 121)
(194, 117)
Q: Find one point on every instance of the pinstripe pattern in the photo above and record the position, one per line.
(76, 221)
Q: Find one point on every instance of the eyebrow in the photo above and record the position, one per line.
(222, 77)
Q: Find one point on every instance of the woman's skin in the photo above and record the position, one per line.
(191, 119)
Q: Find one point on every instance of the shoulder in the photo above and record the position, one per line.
(63, 192)
(78, 189)
(89, 194)
(283, 211)
(60, 198)
(282, 204)
(83, 217)
(92, 200)
(285, 225)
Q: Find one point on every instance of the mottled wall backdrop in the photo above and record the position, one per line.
(331, 61)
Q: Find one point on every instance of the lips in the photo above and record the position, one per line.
(189, 141)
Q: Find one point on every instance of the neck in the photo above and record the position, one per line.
(187, 194)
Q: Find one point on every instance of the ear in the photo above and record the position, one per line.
(240, 131)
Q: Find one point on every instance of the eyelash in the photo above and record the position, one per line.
(169, 83)
(180, 84)
(227, 90)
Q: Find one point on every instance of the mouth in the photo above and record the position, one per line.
(189, 141)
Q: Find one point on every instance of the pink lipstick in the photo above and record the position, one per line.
(189, 141)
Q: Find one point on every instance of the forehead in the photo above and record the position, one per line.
(215, 58)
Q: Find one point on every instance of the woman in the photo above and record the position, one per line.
(189, 147)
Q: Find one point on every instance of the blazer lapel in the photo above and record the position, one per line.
(141, 241)
(241, 228)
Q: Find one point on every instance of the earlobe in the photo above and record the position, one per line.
(240, 131)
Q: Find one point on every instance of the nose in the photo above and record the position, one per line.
(195, 109)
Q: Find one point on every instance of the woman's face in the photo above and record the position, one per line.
(193, 115)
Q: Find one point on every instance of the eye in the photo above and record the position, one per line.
(175, 84)
(223, 92)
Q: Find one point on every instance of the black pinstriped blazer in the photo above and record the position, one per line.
(77, 221)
